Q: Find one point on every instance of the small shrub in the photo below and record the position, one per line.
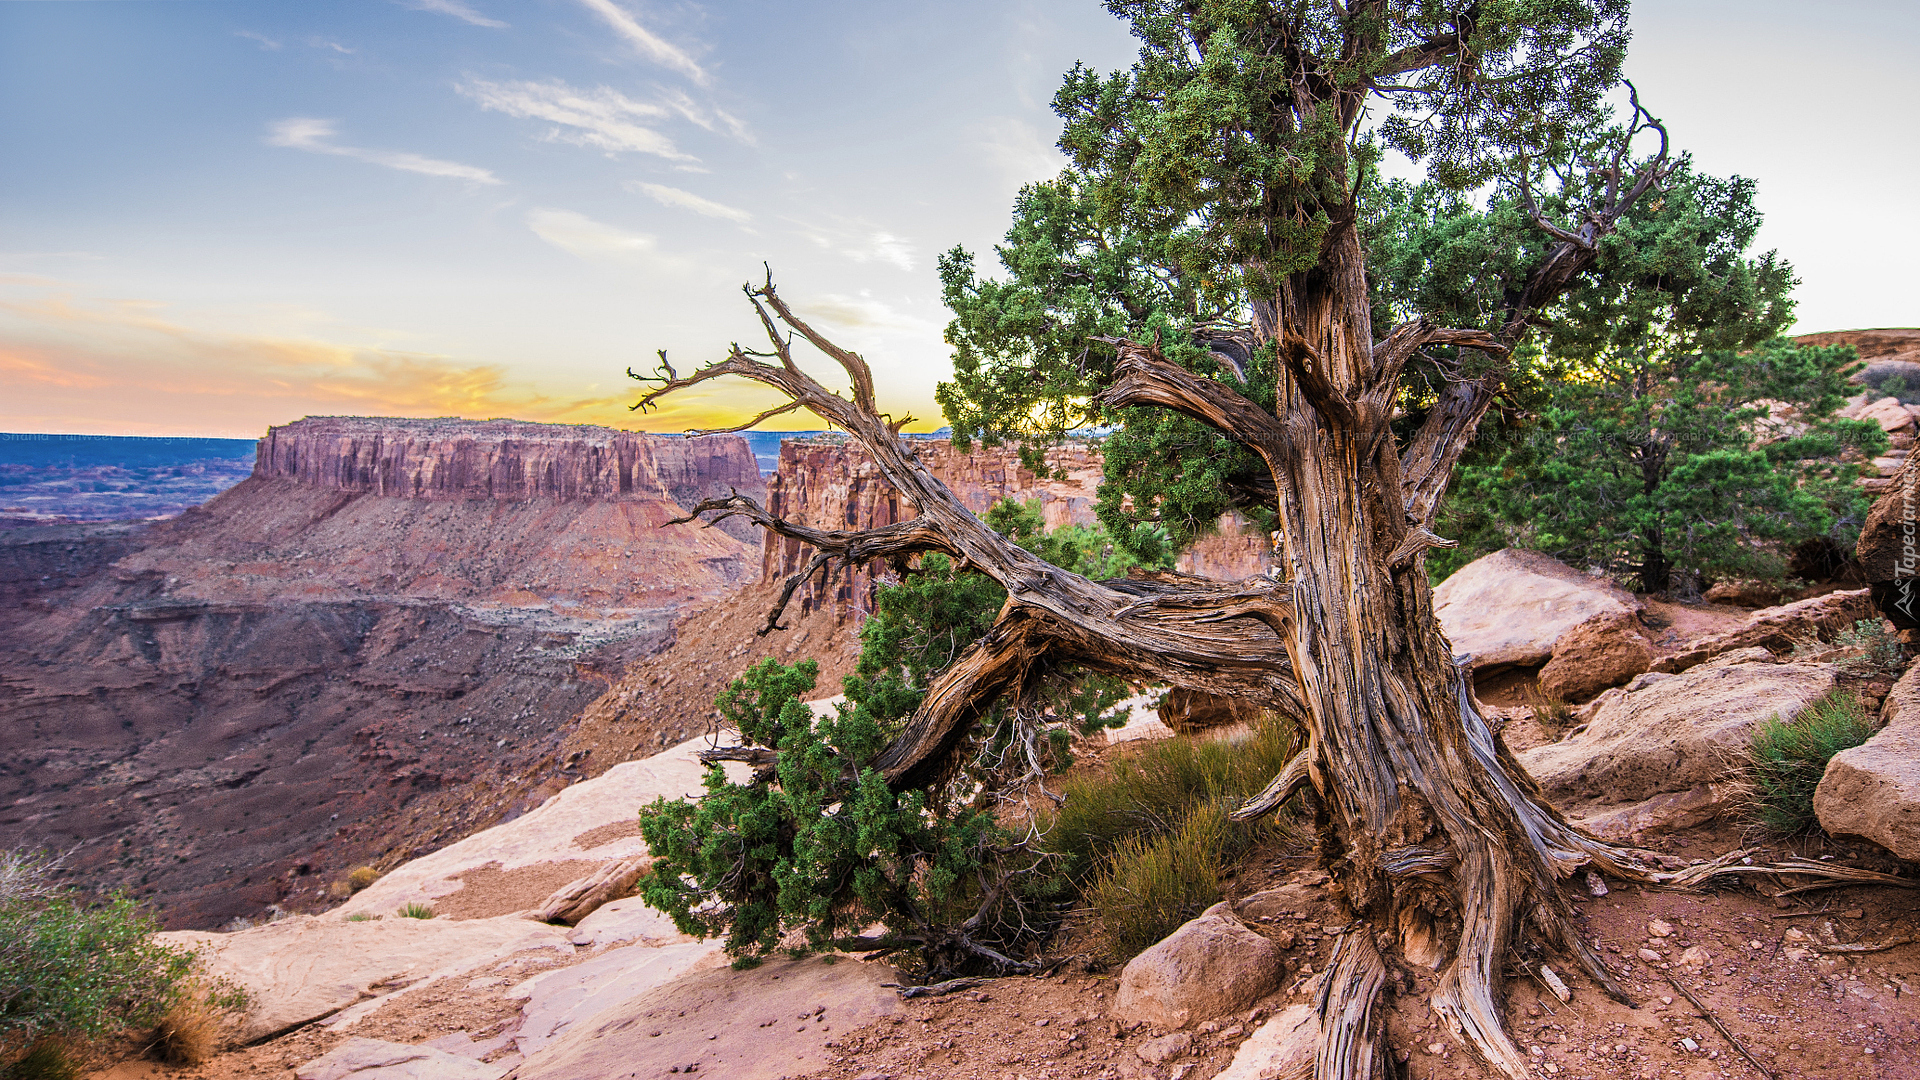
(190, 1031)
(73, 973)
(340, 889)
(1150, 793)
(1879, 649)
(362, 877)
(1549, 710)
(1787, 759)
(416, 910)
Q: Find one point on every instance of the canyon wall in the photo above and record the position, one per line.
(834, 484)
(365, 648)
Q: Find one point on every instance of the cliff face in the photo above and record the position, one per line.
(836, 485)
(356, 651)
(504, 460)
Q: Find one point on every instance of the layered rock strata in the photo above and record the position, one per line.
(360, 652)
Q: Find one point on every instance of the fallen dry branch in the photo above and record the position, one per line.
(1721, 1028)
(1866, 946)
(939, 989)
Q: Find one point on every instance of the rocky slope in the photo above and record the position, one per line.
(229, 709)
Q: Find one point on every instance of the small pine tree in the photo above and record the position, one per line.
(1676, 468)
(815, 847)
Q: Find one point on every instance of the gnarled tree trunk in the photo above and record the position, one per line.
(1442, 847)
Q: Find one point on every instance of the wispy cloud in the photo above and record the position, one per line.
(315, 136)
(687, 200)
(455, 8)
(1018, 150)
(603, 117)
(649, 44)
(864, 313)
(578, 234)
(861, 243)
(711, 117)
(323, 43)
(262, 40)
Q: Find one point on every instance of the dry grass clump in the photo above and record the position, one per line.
(1549, 710)
(1148, 844)
(190, 1031)
(362, 877)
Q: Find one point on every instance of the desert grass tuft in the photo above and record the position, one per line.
(414, 909)
(1148, 844)
(1787, 758)
(1549, 710)
(1150, 884)
(47, 1059)
(189, 1033)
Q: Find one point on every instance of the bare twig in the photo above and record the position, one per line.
(1722, 1028)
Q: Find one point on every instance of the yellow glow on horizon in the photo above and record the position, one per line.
(66, 368)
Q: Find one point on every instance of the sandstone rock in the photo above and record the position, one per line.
(718, 1020)
(1679, 735)
(1888, 413)
(1778, 627)
(1283, 1048)
(547, 835)
(1211, 966)
(307, 968)
(1286, 900)
(1604, 651)
(1889, 548)
(559, 999)
(1508, 608)
(372, 1059)
(625, 920)
(1186, 711)
(1165, 1048)
(1873, 790)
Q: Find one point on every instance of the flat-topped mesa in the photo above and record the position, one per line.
(504, 460)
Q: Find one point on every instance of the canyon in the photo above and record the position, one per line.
(226, 710)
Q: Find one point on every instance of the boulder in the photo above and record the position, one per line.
(742, 1025)
(1604, 651)
(1889, 548)
(1283, 1048)
(1778, 627)
(1888, 413)
(1211, 966)
(372, 1059)
(1509, 608)
(308, 968)
(1873, 790)
(1682, 736)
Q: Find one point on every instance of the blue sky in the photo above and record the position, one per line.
(216, 216)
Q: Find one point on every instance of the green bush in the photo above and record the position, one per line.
(1788, 757)
(71, 973)
(1151, 883)
(414, 909)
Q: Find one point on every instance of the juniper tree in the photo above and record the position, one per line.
(1200, 276)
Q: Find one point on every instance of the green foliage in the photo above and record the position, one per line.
(1788, 757)
(821, 845)
(1665, 466)
(73, 973)
(414, 909)
(48, 1059)
(1879, 650)
(1152, 791)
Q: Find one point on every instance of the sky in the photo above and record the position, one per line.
(218, 216)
